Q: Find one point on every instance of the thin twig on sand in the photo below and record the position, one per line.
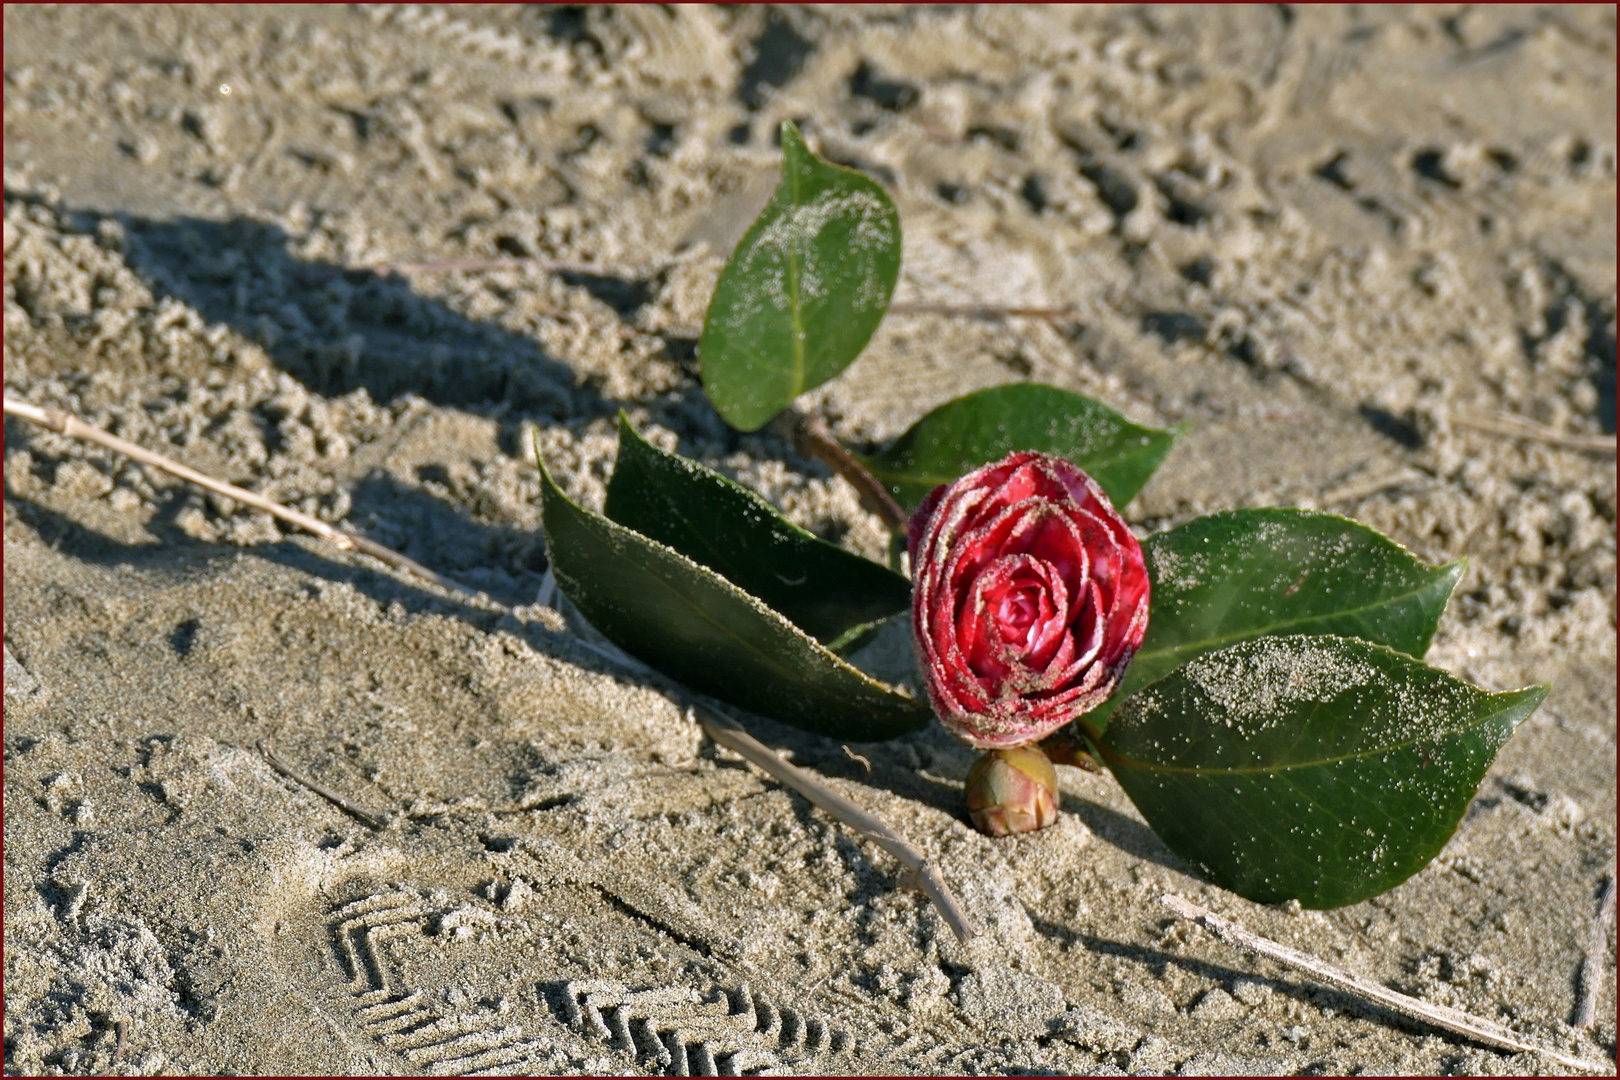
(1441, 1016)
(1514, 428)
(728, 733)
(121, 1029)
(375, 821)
(725, 731)
(900, 309)
(1592, 962)
(574, 266)
(545, 265)
(986, 311)
(67, 424)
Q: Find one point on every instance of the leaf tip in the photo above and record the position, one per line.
(797, 157)
(539, 458)
(1533, 696)
(549, 488)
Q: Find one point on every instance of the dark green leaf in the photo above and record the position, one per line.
(1314, 768)
(800, 297)
(1243, 574)
(694, 626)
(985, 426)
(822, 589)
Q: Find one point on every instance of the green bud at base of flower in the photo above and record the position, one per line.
(1013, 790)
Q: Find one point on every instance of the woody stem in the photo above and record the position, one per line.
(809, 435)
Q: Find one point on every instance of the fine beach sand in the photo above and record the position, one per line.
(1334, 243)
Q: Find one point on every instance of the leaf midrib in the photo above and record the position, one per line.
(791, 174)
(771, 661)
(1114, 757)
(674, 508)
(807, 545)
(1211, 644)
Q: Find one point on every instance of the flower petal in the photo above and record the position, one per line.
(1030, 598)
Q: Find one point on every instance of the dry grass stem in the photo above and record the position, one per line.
(67, 424)
(1441, 1016)
(1514, 428)
(636, 273)
(1363, 487)
(545, 265)
(725, 731)
(1592, 963)
(375, 821)
(570, 266)
(121, 1029)
(987, 311)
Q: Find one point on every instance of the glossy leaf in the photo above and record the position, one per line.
(804, 290)
(696, 627)
(821, 588)
(1243, 574)
(987, 425)
(1314, 768)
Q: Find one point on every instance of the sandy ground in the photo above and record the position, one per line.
(1323, 239)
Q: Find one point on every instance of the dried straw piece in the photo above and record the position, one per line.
(67, 424)
(725, 731)
(1514, 428)
(1441, 1016)
(1592, 963)
(375, 821)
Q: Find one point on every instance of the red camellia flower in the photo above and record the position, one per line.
(1029, 598)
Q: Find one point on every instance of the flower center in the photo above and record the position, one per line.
(1018, 610)
(1016, 619)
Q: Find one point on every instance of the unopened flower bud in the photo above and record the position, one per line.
(1012, 791)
